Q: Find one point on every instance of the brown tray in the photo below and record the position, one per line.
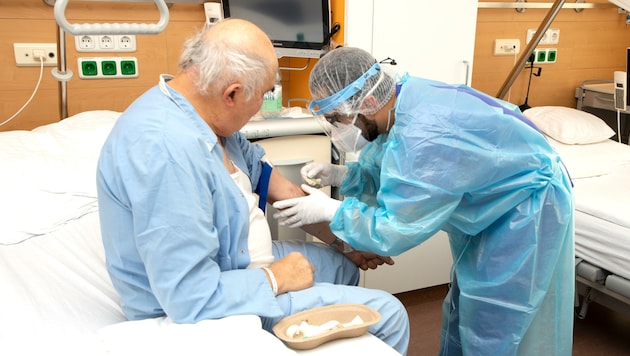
(343, 313)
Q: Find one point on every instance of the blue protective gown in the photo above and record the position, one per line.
(175, 228)
(460, 161)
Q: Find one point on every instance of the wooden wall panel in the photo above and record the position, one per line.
(33, 21)
(592, 46)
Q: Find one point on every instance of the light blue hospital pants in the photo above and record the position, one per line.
(336, 279)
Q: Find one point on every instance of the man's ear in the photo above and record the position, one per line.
(370, 103)
(229, 94)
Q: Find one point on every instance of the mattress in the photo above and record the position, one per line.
(55, 293)
(600, 173)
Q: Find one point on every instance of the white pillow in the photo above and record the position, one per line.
(569, 126)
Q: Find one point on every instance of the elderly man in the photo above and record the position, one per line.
(182, 231)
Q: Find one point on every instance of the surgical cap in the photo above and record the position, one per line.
(340, 68)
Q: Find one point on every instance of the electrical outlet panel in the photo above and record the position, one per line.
(28, 54)
(107, 67)
(544, 56)
(507, 47)
(551, 36)
(105, 43)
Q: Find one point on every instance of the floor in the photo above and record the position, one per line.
(601, 332)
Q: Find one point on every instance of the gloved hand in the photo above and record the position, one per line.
(323, 174)
(314, 208)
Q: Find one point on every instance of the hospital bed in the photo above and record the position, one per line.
(600, 171)
(55, 294)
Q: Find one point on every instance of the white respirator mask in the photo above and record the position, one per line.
(347, 137)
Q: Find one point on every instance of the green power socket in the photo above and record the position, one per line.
(89, 68)
(108, 67)
(128, 67)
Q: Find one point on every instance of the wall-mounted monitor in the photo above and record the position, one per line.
(297, 28)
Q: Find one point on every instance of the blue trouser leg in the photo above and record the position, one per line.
(335, 283)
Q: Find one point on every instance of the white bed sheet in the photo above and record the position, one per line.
(56, 298)
(49, 174)
(601, 177)
(55, 293)
(603, 244)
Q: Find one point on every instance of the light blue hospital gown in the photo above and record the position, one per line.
(175, 227)
(460, 161)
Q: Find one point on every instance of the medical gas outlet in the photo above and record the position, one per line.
(507, 47)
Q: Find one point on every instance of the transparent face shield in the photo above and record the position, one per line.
(341, 129)
(330, 103)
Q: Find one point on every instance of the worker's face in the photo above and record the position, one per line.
(368, 127)
(336, 118)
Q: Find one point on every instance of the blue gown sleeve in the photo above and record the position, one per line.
(450, 162)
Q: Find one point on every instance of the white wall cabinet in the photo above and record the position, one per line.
(425, 265)
(427, 38)
(431, 39)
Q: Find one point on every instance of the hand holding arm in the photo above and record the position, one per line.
(313, 208)
(323, 174)
(368, 260)
(364, 260)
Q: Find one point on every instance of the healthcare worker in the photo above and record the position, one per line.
(448, 157)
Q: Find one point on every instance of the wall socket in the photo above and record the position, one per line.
(543, 56)
(27, 54)
(507, 47)
(551, 36)
(105, 43)
(107, 67)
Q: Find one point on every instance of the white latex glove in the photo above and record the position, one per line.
(323, 174)
(314, 208)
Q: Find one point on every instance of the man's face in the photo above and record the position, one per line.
(368, 127)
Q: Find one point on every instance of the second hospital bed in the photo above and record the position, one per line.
(600, 171)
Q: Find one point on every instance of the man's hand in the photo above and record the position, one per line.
(368, 260)
(293, 272)
(323, 174)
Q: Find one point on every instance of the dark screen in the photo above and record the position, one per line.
(301, 21)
